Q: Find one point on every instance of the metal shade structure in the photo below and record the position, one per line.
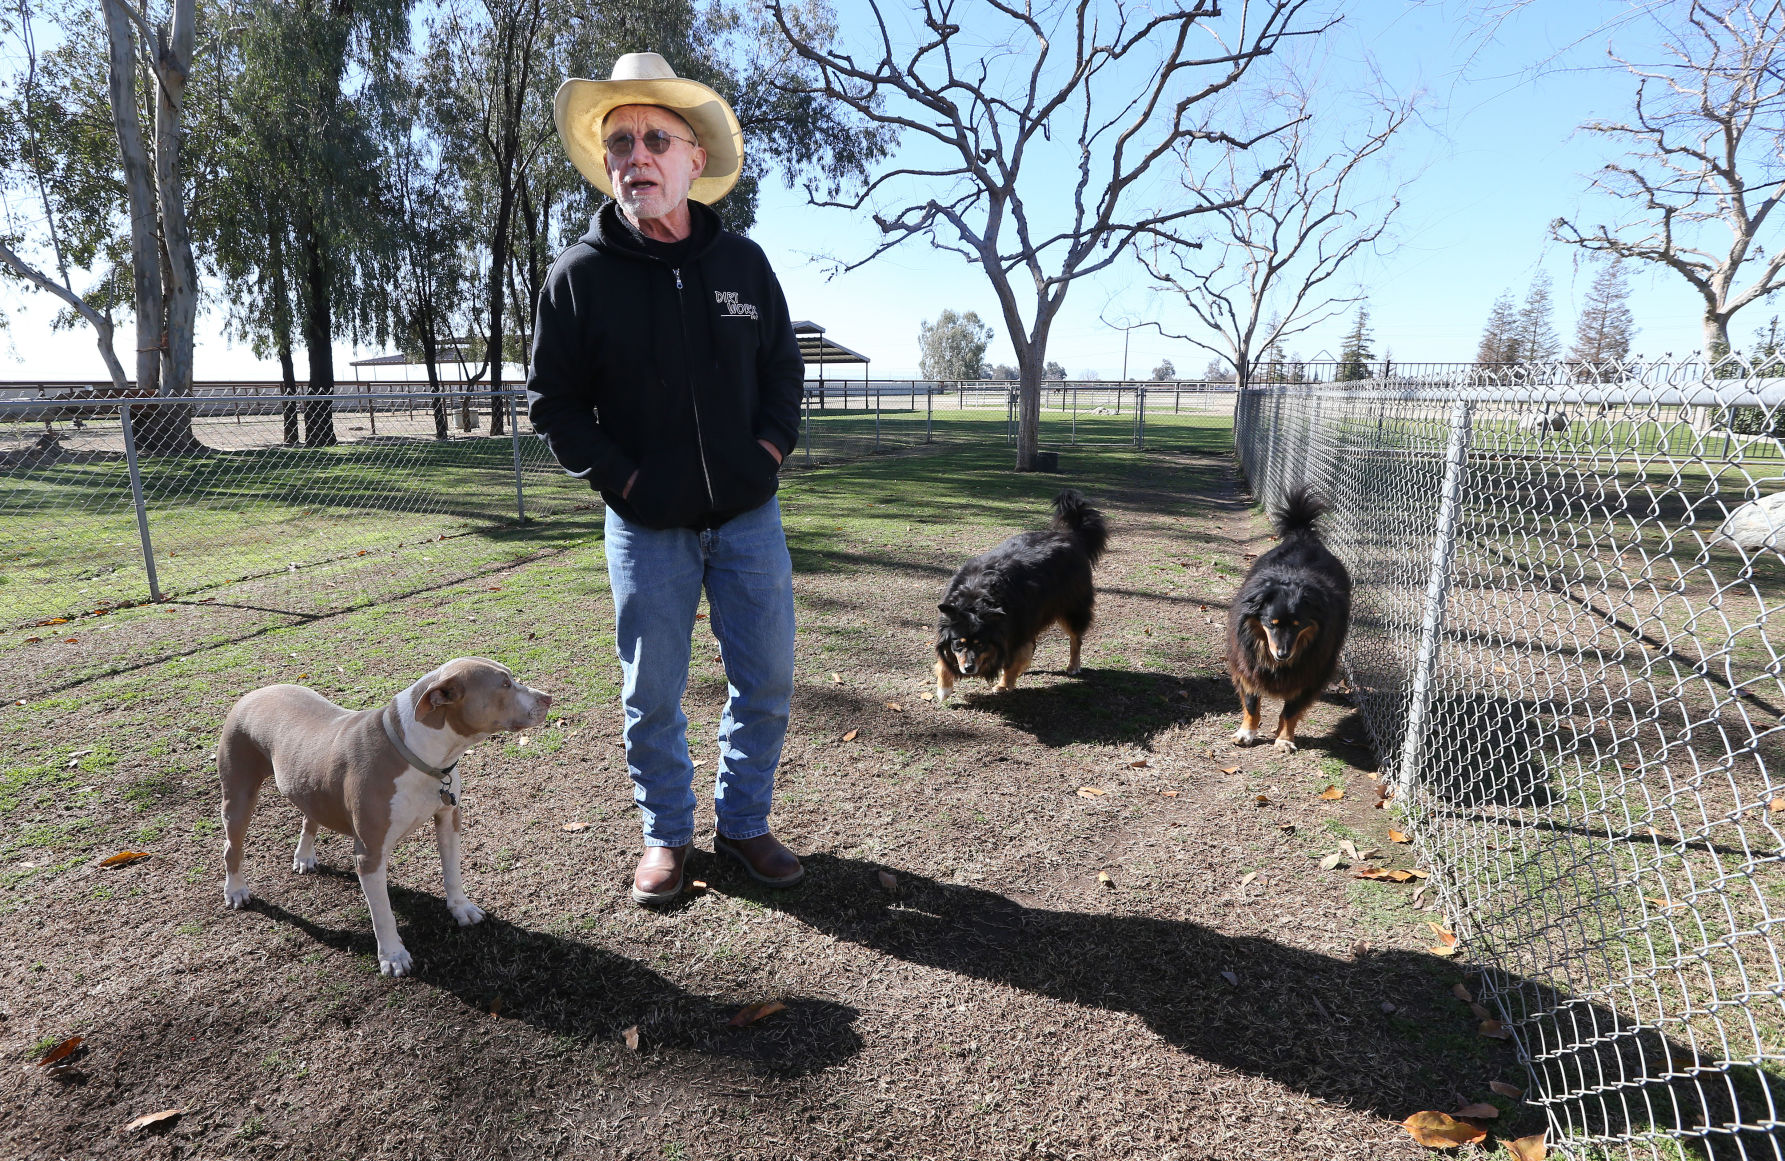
(818, 351)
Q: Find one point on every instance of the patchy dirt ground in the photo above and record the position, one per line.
(1109, 934)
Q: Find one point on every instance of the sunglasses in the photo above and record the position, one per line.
(656, 140)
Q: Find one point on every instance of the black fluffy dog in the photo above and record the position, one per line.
(1288, 623)
(999, 602)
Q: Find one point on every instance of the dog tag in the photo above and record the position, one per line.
(448, 798)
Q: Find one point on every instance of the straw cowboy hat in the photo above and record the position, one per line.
(644, 78)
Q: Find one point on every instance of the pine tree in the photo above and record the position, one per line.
(1535, 334)
(1606, 325)
(1355, 355)
(1497, 342)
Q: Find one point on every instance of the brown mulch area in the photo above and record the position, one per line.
(1001, 999)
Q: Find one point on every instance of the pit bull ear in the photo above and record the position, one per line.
(443, 692)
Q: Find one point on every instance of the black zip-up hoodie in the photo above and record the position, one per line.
(675, 370)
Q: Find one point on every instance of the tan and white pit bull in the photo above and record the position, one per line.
(374, 774)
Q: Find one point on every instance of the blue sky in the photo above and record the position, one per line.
(1494, 161)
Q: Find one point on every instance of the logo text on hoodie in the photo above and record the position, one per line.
(733, 308)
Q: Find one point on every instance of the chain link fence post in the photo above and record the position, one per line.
(1431, 629)
(520, 496)
(136, 497)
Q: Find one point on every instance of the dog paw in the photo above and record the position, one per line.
(1244, 737)
(1287, 745)
(466, 912)
(303, 864)
(396, 963)
(237, 895)
(941, 695)
(1074, 670)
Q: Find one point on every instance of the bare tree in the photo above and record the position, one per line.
(1704, 148)
(1280, 247)
(1130, 88)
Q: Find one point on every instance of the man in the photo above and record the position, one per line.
(665, 372)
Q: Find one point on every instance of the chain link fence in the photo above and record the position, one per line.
(1568, 640)
(241, 509)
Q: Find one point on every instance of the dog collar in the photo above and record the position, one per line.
(408, 755)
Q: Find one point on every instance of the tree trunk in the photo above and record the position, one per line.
(1716, 336)
(144, 246)
(498, 271)
(282, 329)
(174, 60)
(319, 413)
(430, 356)
(1028, 405)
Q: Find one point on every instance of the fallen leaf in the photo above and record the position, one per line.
(1332, 794)
(1246, 880)
(1168, 794)
(576, 827)
(1350, 849)
(1286, 827)
(1480, 1111)
(361, 552)
(1442, 951)
(123, 858)
(927, 696)
(1507, 1090)
(888, 881)
(1395, 836)
(850, 736)
(1394, 876)
(1139, 764)
(1230, 769)
(1331, 861)
(496, 1005)
(1445, 936)
(1662, 903)
(700, 616)
(32, 640)
(1105, 878)
(1461, 992)
(61, 1051)
(837, 678)
(1494, 1030)
(1091, 792)
(751, 1013)
(1529, 1148)
(1261, 800)
(71, 640)
(152, 1120)
(697, 884)
(1417, 892)
(1232, 979)
(1441, 1130)
(1388, 1008)
(1481, 1012)
(630, 1036)
(1419, 874)
(54, 621)
(895, 707)
(1776, 805)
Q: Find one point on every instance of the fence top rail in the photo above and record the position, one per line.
(1742, 392)
(76, 404)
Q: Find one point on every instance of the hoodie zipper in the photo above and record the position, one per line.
(700, 441)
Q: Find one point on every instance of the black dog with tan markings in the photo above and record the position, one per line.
(1287, 624)
(1000, 601)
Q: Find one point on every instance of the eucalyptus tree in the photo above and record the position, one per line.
(135, 188)
(60, 190)
(302, 225)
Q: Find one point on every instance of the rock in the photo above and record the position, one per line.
(1757, 524)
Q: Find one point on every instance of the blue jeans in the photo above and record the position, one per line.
(657, 576)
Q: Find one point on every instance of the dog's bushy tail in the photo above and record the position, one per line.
(1072, 514)
(1299, 510)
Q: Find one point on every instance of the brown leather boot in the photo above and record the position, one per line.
(763, 859)
(658, 877)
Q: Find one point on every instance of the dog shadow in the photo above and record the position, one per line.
(574, 989)
(1108, 706)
